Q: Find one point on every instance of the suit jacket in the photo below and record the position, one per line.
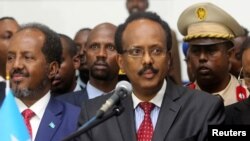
(238, 113)
(59, 120)
(2, 92)
(75, 98)
(185, 115)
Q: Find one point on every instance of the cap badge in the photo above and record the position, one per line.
(201, 13)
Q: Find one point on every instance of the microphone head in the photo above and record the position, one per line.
(124, 86)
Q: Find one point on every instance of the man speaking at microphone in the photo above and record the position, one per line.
(157, 110)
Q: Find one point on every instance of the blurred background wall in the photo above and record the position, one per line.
(68, 16)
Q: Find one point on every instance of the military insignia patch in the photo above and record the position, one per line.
(201, 13)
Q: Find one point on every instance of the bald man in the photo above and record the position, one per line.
(103, 68)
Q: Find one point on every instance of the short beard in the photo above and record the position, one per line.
(25, 92)
(103, 76)
(20, 93)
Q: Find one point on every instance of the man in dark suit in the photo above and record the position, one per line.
(103, 68)
(158, 109)
(34, 55)
(65, 80)
(239, 113)
(80, 39)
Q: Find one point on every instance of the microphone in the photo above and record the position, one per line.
(122, 90)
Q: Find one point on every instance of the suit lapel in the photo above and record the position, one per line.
(50, 122)
(126, 121)
(242, 109)
(2, 92)
(168, 112)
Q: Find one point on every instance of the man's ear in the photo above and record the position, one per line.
(76, 61)
(231, 53)
(53, 69)
(120, 62)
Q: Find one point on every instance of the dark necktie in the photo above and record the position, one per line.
(145, 131)
(27, 115)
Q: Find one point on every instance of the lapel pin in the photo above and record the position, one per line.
(52, 125)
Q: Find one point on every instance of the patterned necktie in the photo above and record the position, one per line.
(27, 115)
(145, 131)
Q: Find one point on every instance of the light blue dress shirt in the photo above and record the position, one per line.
(93, 91)
(157, 101)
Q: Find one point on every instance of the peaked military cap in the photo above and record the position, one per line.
(206, 20)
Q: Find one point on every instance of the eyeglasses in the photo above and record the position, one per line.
(138, 52)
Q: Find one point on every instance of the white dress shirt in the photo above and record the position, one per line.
(38, 108)
(77, 87)
(1, 78)
(80, 82)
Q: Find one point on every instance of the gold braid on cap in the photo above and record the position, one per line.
(214, 35)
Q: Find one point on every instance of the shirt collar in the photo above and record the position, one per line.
(80, 82)
(38, 107)
(77, 87)
(93, 91)
(1, 78)
(222, 91)
(157, 100)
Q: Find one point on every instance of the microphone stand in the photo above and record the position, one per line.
(94, 121)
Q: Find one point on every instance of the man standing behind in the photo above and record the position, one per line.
(235, 58)
(65, 79)
(103, 68)
(239, 113)
(33, 59)
(209, 31)
(158, 109)
(8, 27)
(134, 6)
(83, 71)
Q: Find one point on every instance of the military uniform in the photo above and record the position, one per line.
(204, 21)
(234, 92)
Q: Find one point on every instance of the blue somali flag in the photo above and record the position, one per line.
(12, 123)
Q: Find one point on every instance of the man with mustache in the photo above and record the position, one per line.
(33, 59)
(158, 109)
(103, 68)
(134, 6)
(209, 31)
